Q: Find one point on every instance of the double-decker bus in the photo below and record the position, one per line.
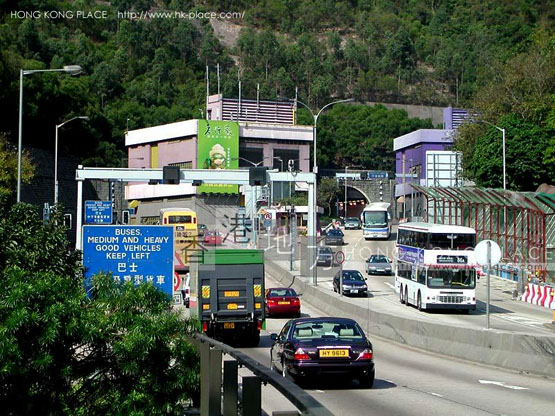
(436, 266)
(376, 220)
(185, 226)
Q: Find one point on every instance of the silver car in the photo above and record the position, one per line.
(378, 264)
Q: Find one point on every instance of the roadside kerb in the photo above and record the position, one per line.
(516, 351)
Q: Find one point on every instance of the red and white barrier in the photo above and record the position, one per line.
(539, 295)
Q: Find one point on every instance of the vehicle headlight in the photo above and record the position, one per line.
(364, 287)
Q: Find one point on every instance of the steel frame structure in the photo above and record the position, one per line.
(235, 177)
(523, 223)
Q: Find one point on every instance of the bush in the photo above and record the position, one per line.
(123, 351)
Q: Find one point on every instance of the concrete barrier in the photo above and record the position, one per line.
(516, 351)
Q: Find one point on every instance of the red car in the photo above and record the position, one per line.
(213, 238)
(282, 301)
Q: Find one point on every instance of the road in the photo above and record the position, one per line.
(414, 382)
(505, 313)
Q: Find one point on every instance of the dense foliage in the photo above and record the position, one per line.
(520, 99)
(148, 71)
(123, 351)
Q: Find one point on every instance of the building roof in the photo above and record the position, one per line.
(423, 136)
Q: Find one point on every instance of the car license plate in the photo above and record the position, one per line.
(334, 353)
(354, 291)
(232, 306)
(231, 293)
(284, 303)
(229, 325)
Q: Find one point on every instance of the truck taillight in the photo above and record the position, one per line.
(259, 325)
(300, 355)
(204, 327)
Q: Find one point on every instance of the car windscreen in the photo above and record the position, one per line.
(354, 275)
(335, 233)
(316, 330)
(281, 292)
(324, 250)
(378, 259)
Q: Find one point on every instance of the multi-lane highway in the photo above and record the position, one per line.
(414, 382)
(410, 381)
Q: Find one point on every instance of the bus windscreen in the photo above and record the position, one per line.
(452, 241)
(375, 219)
(179, 219)
(451, 278)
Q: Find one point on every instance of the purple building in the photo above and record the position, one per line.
(423, 158)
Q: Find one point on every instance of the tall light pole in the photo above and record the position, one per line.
(315, 170)
(502, 130)
(56, 156)
(70, 69)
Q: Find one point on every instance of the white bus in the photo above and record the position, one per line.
(435, 266)
(376, 220)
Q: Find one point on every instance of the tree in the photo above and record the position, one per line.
(8, 168)
(328, 191)
(120, 351)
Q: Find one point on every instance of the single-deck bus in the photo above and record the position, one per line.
(376, 220)
(185, 226)
(436, 266)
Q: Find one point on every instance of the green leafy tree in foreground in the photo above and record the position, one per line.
(121, 351)
(8, 167)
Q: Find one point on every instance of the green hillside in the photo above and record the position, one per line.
(150, 70)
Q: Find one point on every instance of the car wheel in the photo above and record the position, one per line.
(401, 298)
(272, 365)
(419, 302)
(283, 369)
(367, 381)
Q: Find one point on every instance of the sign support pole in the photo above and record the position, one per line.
(487, 283)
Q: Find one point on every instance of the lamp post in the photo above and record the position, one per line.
(70, 69)
(502, 130)
(315, 170)
(56, 156)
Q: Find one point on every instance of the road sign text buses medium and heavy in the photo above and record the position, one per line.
(138, 254)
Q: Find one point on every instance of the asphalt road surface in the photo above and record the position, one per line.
(414, 382)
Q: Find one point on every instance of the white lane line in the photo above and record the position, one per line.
(502, 384)
(435, 394)
(390, 285)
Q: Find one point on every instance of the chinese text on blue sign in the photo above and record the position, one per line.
(98, 212)
(137, 254)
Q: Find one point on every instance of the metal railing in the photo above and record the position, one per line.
(211, 391)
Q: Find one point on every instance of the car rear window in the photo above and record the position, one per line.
(281, 292)
(378, 259)
(307, 331)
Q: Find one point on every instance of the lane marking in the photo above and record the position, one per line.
(390, 285)
(502, 384)
(435, 394)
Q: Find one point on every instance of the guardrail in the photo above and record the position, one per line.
(251, 403)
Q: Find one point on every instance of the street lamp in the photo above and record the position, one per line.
(56, 156)
(248, 161)
(70, 69)
(502, 130)
(315, 170)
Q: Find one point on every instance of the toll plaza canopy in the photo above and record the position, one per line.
(522, 223)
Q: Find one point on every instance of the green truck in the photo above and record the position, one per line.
(231, 289)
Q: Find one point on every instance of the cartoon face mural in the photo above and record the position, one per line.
(217, 157)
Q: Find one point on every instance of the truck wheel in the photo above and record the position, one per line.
(255, 340)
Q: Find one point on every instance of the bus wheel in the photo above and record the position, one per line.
(407, 296)
(401, 298)
(419, 302)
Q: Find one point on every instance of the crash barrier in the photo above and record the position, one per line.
(211, 392)
(516, 351)
(539, 295)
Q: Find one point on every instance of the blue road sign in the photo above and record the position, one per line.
(98, 212)
(138, 254)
